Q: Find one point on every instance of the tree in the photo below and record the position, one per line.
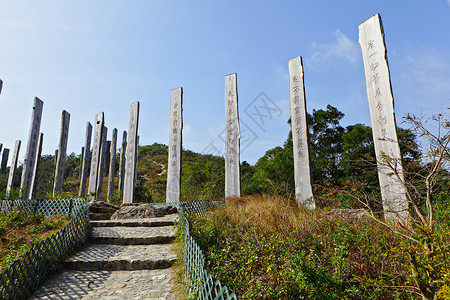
(274, 173)
(45, 176)
(358, 160)
(325, 134)
(358, 157)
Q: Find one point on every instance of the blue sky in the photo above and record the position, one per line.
(91, 56)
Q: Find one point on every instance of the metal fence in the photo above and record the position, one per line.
(26, 274)
(199, 283)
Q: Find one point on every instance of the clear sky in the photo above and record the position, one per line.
(89, 56)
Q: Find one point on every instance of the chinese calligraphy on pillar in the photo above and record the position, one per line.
(32, 147)
(381, 104)
(232, 138)
(85, 162)
(302, 171)
(61, 160)
(95, 160)
(175, 144)
(131, 155)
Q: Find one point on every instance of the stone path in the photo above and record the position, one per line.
(125, 259)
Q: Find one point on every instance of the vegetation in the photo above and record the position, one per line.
(267, 247)
(424, 246)
(20, 230)
(202, 175)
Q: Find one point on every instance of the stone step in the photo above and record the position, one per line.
(100, 216)
(111, 285)
(133, 235)
(167, 220)
(121, 257)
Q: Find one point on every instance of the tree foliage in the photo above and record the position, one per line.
(338, 157)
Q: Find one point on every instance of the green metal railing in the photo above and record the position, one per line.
(26, 274)
(199, 283)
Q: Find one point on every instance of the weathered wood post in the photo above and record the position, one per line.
(98, 137)
(107, 159)
(30, 155)
(175, 144)
(131, 155)
(302, 170)
(123, 149)
(4, 162)
(80, 167)
(36, 165)
(101, 166)
(62, 149)
(12, 169)
(85, 162)
(232, 138)
(136, 158)
(381, 104)
(112, 164)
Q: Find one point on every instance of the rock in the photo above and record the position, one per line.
(140, 211)
(171, 210)
(102, 207)
(136, 212)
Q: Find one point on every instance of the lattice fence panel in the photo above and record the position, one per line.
(199, 283)
(27, 274)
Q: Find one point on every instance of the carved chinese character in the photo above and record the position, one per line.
(373, 66)
(377, 92)
(370, 56)
(379, 106)
(382, 120)
(376, 77)
(383, 133)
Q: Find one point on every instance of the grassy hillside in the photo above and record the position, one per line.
(265, 247)
(20, 230)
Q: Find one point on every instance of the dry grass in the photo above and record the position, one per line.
(265, 247)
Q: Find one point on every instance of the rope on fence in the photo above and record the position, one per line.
(199, 283)
(25, 275)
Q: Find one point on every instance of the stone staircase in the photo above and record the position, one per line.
(125, 259)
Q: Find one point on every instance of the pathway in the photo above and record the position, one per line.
(125, 259)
